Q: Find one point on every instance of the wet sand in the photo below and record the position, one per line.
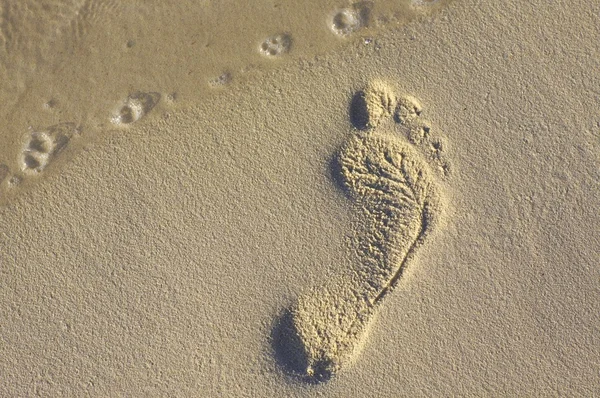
(75, 60)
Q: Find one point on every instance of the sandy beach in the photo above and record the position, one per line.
(407, 208)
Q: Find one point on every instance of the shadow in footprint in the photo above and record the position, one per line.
(136, 106)
(359, 114)
(290, 355)
(335, 168)
(42, 147)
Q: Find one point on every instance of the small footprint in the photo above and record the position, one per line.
(345, 21)
(41, 147)
(396, 204)
(276, 45)
(134, 107)
(220, 81)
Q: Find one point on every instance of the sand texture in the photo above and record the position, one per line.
(408, 210)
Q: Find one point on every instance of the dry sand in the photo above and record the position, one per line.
(243, 242)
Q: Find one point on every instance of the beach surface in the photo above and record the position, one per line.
(407, 207)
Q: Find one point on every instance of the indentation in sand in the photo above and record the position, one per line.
(396, 204)
(220, 81)
(134, 107)
(41, 147)
(276, 45)
(369, 106)
(345, 21)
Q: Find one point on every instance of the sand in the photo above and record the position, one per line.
(261, 239)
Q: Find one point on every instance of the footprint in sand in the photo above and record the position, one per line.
(134, 107)
(41, 147)
(396, 205)
(345, 21)
(276, 45)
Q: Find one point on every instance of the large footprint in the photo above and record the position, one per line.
(396, 204)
